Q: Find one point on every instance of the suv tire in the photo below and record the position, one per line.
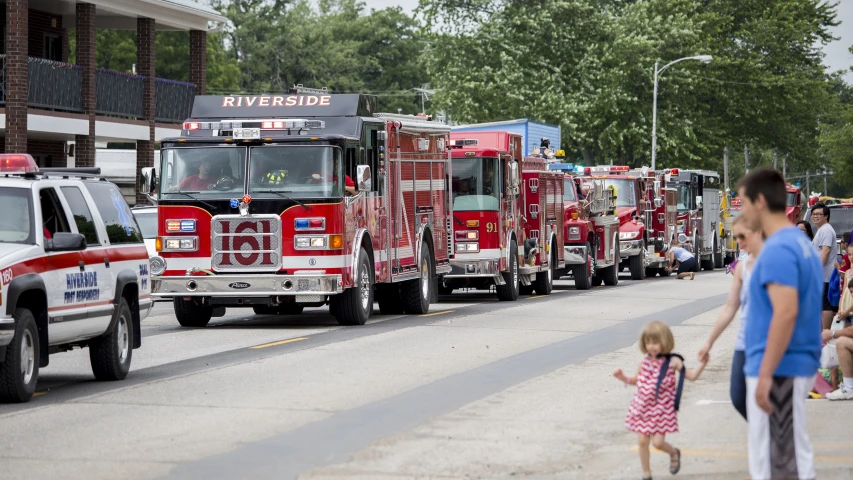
(110, 354)
(19, 371)
(190, 314)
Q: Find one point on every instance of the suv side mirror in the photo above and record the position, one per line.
(65, 242)
(363, 178)
(148, 181)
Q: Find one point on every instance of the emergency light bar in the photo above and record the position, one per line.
(270, 124)
(464, 142)
(563, 167)
(609, 169)
(17, 163)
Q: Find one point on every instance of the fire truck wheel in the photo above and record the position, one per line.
(508, 292)
(638, 270)
(718, 254)
(190, 314)
(19, 371)
(389, 298)
(583, 273)
(355, 305)
(417, 293)
(610, 276)
(110, 354)
(545, 280)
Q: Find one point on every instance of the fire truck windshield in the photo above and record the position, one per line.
(17, 225)
(569, 192)
(684, 199)
(625, 194)
(307, 171)
(792, 199)
(203, 171)
(476, 184)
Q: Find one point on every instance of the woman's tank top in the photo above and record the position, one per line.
(740, 343)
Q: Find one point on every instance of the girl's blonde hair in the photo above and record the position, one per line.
(660, 333)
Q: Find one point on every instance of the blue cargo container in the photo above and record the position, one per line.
(531, 132)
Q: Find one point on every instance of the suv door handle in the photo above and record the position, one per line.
(107, 262)
(82, 265)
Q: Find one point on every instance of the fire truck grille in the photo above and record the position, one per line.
(246, 243)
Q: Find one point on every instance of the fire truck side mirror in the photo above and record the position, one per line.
(364, 179)
(657, 188)
(148, 181)
(658, 202)
(382, 136)
(699, 201)
(513, 178)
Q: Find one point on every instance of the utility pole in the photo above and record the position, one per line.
(726, 167)
(808, 189)
(745, 159)
(774, 160)
(785, 166)
(824, 179)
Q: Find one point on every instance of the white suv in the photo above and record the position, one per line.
(73, 273)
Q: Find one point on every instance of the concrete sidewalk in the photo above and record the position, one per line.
(569, 424)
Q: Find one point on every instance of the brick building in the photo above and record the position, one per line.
(45, 102)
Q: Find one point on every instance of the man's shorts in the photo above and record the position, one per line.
(827, 307)
(779, 445)
(687, 266)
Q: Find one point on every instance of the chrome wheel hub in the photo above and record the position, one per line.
(122, 339)
(365, 289)
(425, 279)
(28, 356)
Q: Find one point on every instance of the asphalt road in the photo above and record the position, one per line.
(475, 389)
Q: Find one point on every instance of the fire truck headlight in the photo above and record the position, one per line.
(173, 244)
(187, 244)
(574, 233)
(468, 247)
(157, 265)
(318, 242)
(628, 235)
(303, 242)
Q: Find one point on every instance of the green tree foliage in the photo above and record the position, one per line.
(588, 66)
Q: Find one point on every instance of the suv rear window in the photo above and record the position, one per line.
(841, 219)
(121, 226)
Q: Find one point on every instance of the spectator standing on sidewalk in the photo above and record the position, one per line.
(750, 241)
(824, 240)
(782, 335)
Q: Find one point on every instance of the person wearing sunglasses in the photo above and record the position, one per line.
(750, 240)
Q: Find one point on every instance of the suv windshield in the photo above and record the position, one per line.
(147, 223)
(202, 171)
(307, 171)
(476, 184)
(17, 225)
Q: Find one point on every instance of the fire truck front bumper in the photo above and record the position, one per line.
(629, 248)
(474, 268)
(246, 285)
(575, 254)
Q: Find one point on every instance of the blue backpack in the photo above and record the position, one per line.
(663, 369)
(834, 293)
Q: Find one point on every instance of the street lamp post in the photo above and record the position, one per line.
(658, 72)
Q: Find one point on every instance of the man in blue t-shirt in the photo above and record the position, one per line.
(782, 335)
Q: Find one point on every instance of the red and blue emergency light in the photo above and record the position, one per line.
(17, 163)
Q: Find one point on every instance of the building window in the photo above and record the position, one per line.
(53, 48)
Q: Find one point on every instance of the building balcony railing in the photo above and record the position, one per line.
(59, 86)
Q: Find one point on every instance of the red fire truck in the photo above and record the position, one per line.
(279, 202)
(700, 203)
(591, 230)
(796, 205)
(507, 217)
(647, 214)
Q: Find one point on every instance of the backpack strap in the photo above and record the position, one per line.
(663, 369)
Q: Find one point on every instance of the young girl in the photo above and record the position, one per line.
(652, 413)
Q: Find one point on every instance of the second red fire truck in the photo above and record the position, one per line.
(507, 217)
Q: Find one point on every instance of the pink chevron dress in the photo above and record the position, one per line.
(645, 414)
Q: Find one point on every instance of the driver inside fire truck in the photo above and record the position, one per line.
(201, 180)
(475, 185)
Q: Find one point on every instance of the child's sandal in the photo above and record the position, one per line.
(673, 469)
